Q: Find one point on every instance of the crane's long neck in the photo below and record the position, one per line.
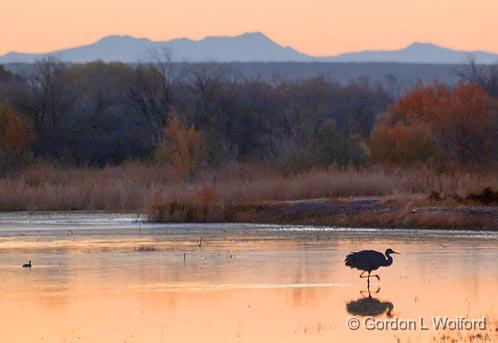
(389, 260)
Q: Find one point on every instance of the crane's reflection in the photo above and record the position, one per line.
(369, 306)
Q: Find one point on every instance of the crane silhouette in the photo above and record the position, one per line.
(368, 261)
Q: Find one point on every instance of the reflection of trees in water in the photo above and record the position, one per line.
(240, 262)
(369, 306)
(310, 266)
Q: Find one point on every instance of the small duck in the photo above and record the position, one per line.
(27, 265)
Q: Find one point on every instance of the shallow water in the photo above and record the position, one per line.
(111, 278)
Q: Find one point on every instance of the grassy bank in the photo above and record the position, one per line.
(384, 211)
(257, 194)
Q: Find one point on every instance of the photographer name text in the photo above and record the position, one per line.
(439, 323)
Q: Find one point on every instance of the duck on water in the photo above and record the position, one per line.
(27, 265)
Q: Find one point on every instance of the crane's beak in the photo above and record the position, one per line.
(397, 253)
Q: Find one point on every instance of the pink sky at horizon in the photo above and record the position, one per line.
(319, 27)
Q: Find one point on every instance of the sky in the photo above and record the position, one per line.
(315, 27)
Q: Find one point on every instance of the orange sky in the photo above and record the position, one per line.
(317, 27)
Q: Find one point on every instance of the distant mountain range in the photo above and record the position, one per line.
(248, 47)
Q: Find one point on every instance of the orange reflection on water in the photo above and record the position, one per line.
(276, 290)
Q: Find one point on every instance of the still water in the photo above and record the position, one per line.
(112, 278)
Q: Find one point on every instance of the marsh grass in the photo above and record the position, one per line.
(213, 194)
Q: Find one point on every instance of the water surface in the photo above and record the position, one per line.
(112, 278)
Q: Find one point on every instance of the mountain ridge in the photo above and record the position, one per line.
(246, 47)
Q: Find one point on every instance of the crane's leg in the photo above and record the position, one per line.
(377, 276)
(363, 293)
(369, 292)
(367, 277)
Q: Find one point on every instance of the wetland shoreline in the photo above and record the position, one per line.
(352, 212)
(374, 212)
(244, 193)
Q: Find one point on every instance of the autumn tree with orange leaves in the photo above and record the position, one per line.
(183, 147)
(438, 123)
(14, 138)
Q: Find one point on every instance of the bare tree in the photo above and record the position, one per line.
(51, 93)
(152, 91)
(484, 75)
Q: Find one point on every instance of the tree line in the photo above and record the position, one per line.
(205, 115)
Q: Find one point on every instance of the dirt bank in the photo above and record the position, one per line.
(351, 212)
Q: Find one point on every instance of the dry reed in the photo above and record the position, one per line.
(138, 187)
